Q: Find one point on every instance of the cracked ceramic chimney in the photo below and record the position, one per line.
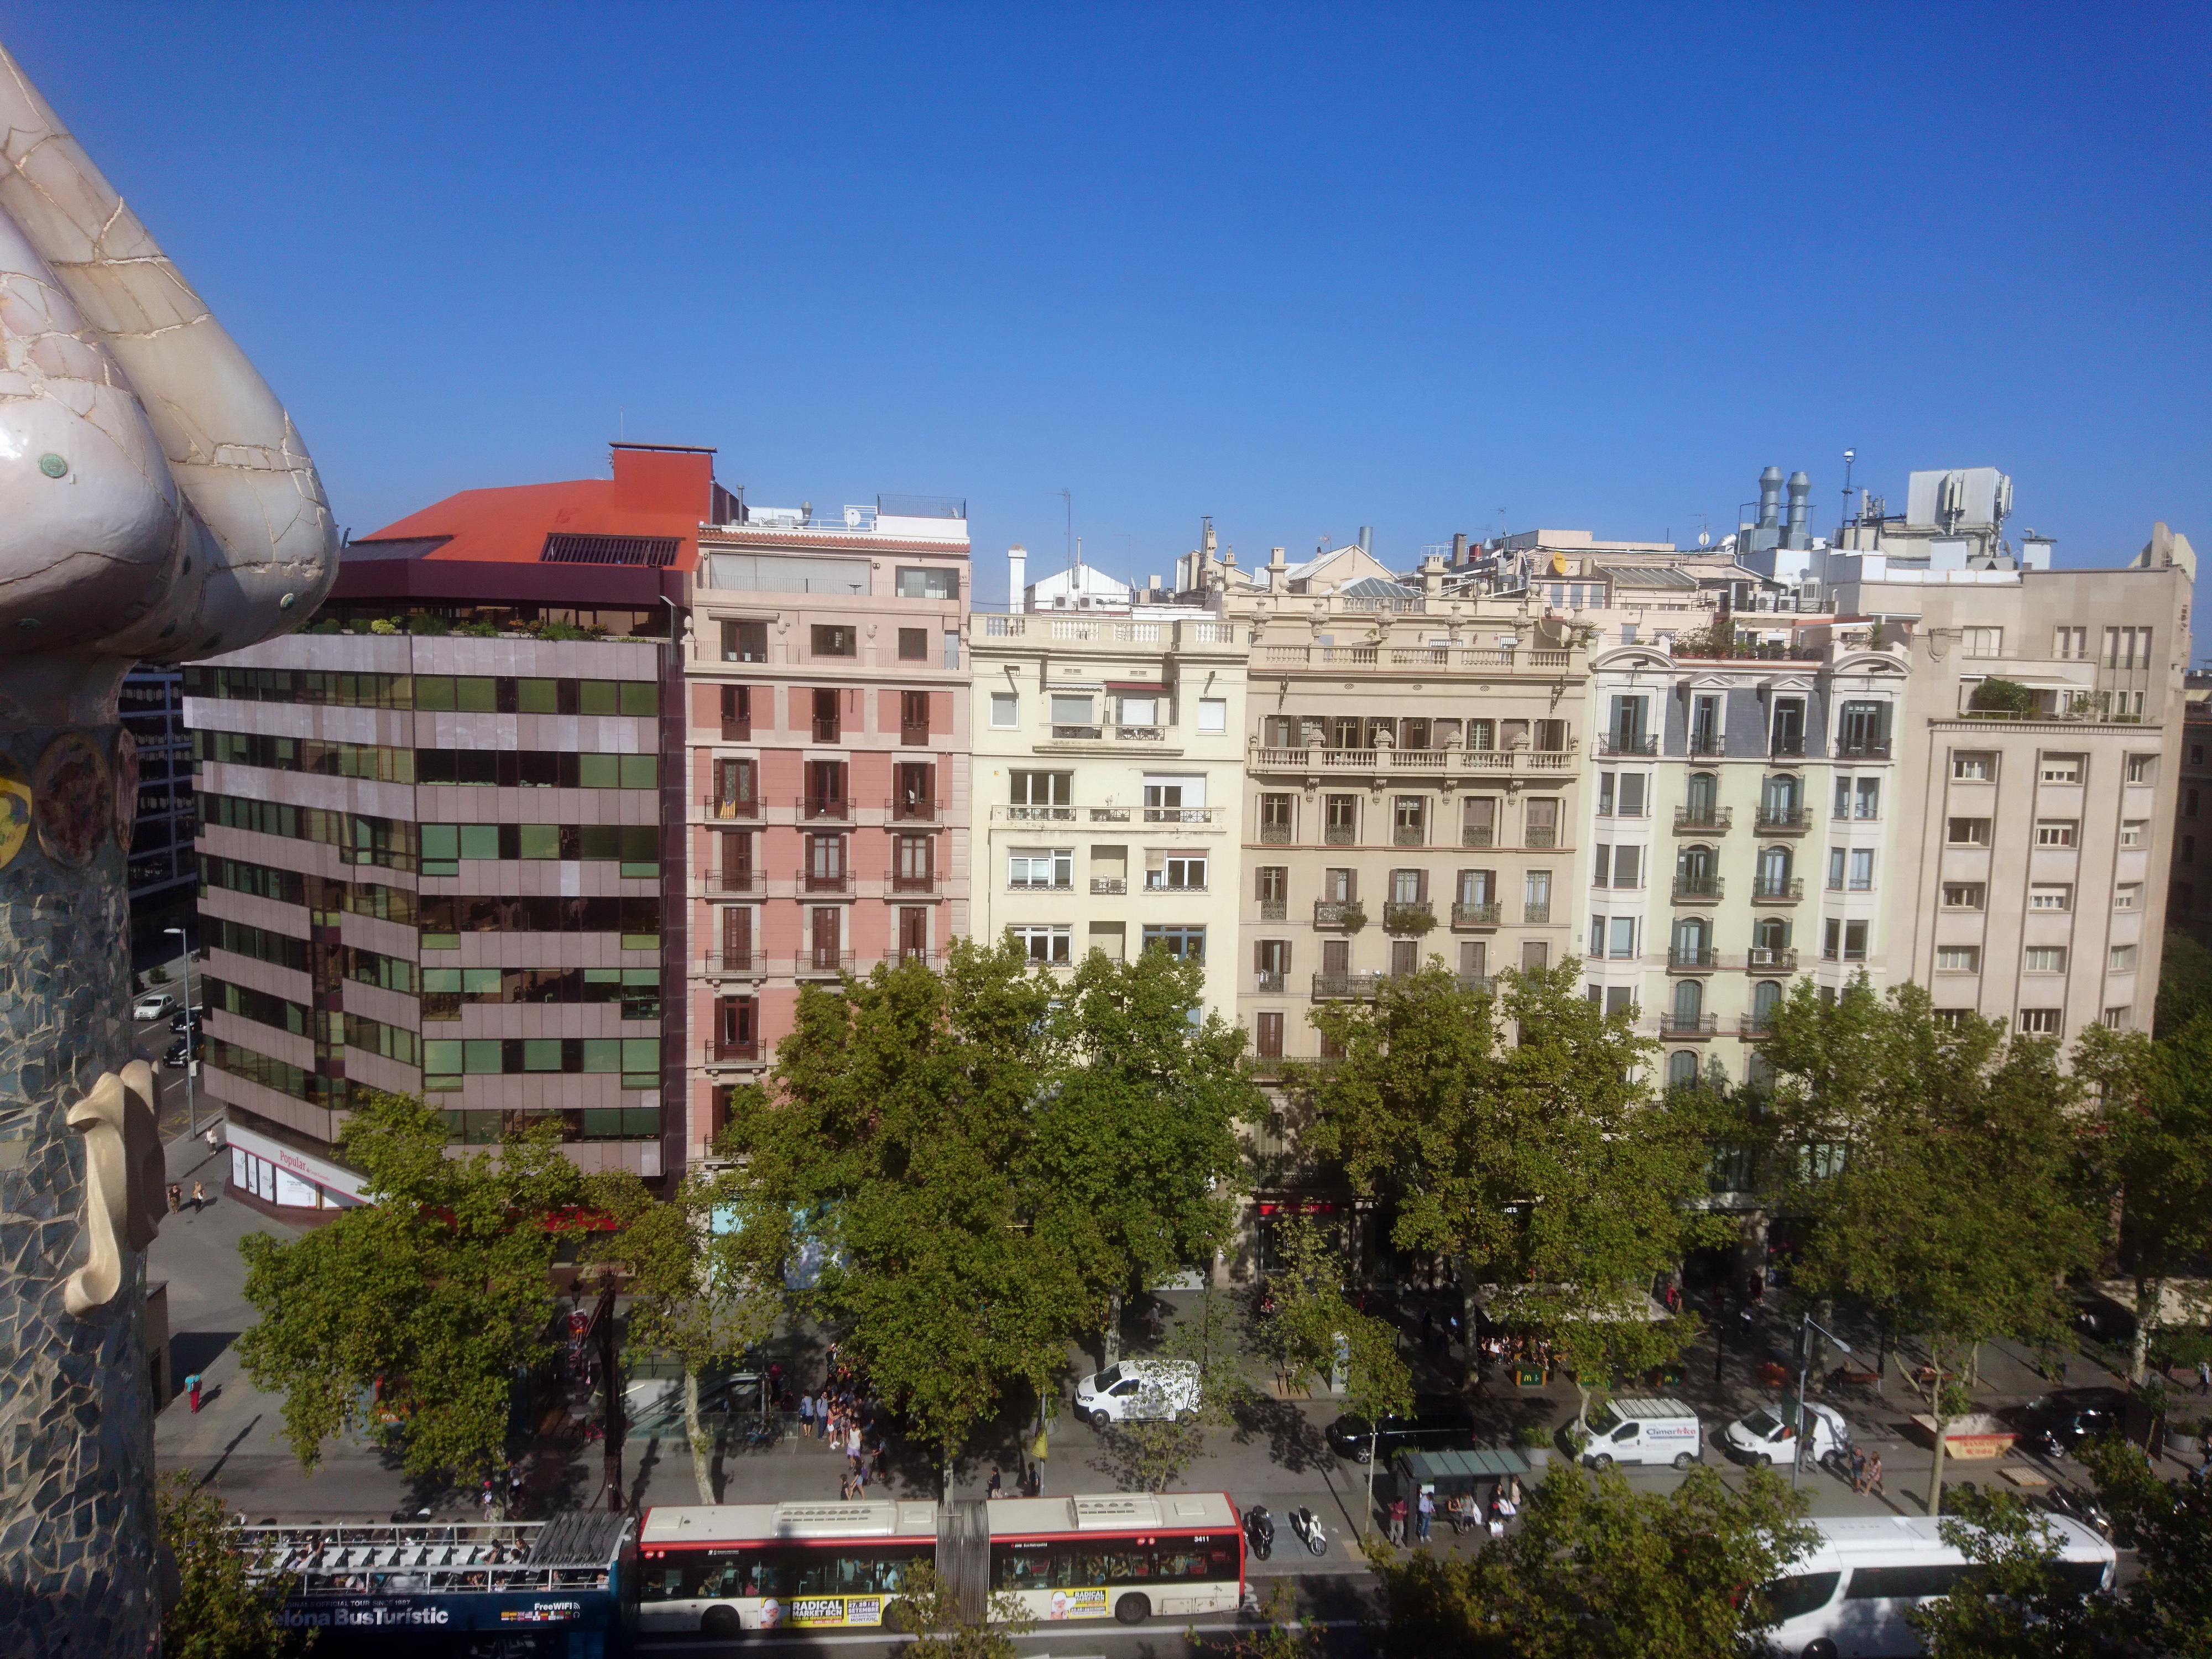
(156, 502)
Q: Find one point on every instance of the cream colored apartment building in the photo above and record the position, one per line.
(1414, 790)
(1737, 809)
(1107, 798)
(2028, 848)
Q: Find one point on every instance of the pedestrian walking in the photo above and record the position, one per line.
(853, 1443)
(1858, 1470)
(996, 1489)
(1398, 1521)
(883, 1457)
(1428, 1512)
(1497, 1512)
(1874, 1475)
(176, 1197)
(193, 1391)
(806, 1417)
(2204, 1376)
(199, 1196)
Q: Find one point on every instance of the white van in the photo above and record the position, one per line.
(1139, 1390)
(1847, 1597)
(1644, 1431)
(1769, 1435)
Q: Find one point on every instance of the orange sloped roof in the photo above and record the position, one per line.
(650, 495)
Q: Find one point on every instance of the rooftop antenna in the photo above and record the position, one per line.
(622, 423)
(1850, 455)
(1704, 529)
(1068, 496)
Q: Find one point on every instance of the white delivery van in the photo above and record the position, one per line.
(1139, 1390)
(1847, 1597)
(1644, 1431)
(1769, 1435)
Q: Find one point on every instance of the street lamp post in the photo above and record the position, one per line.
(191, 1030)
(1806, 1323)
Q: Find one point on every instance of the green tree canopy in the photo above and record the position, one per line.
(436, 1291)
(224, 1609)
(1598, 1569)
(2152, 1156)
(984, 1157)
(1936, 1161)
(1547, 1163)
(2018, 1607)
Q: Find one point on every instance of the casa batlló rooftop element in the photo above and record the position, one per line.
(155, 504)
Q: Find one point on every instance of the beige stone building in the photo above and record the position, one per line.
(1107, 809)
(1414, 774)
(2031, 877)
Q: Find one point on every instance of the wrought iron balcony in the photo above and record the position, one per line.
(1340, 987)
(717, 807)
(1708, 743)
(1540, 835)
(1536, 913)
(823, 881)
(1408, 915)
(736, 962)
(1783, 821)
(1477, 915)
(1701, 961)
(1274, 834)
(1266, 983)
(1787, 748)
(1777, 889)
(725, 1053)
(1409, 835)
(1754, 1027)
(1700, 889)
(821, 963)
(1864, 748)
(1106, 885)
(1678, 1030)
(1704, 820)
(913, 809)
(812, 808)
(1627, 742)
(1274, 909)
(1340, 913)
(1771, 959)
(734, 881)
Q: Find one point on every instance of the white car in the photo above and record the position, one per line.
(153, 1006)
(1768, 1436)
(1139, 1390)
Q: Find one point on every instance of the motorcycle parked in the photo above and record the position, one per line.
(1307, 1525)
(2077, 1505)
(1259, 1531)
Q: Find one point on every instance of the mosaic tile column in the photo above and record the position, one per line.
(76, 1411)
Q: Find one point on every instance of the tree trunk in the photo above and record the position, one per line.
(1935, 1469)
(1374, 1446)
(948, 1474)
(1110, 1344)
(702, 1461)
(2150, 1296)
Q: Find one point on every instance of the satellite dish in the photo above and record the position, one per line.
(1704, 539)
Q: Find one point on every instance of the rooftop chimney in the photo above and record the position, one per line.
(1459, 547)
(1367, 538)
(1018, 561)
(1801, 508)
(1769, 498)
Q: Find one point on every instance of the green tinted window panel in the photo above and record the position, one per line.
(445, 979)
(534, 696)
(479, 840)
(441, 841)
(438, 942)
(638, 771)
(480, 981)
(434, 692)
(482, 1055)
(603, 976)
(640, 699)
(598, 697)
(598, 771)
(603, 1053)
(539, 841)
(476, 694)
(541, 1054)
(640, 941)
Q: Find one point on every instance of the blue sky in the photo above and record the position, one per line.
(1300, 268)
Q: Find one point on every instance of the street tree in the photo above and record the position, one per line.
(2017, 1606)
(1934, 1158)
(2165, 1607)
(1134, 1142)
(1317, 1333)
(2151, 1159)
(899, 1143)
(693, 1294)
(1151, 1452)
(408, 1317)
(227, 1605)
(1546, 1163)
(1598, 1569)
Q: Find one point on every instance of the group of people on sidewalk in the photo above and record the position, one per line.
(843, 1413)
(1502, 1505)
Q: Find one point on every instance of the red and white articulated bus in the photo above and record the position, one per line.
(729, 1567)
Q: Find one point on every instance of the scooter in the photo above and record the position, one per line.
(2077, 1505)
(1259, 1531)
(1307, 1525)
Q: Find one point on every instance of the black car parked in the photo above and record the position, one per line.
(2055, 1423)
(1436, 1424)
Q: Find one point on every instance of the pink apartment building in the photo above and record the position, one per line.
(826, 674)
